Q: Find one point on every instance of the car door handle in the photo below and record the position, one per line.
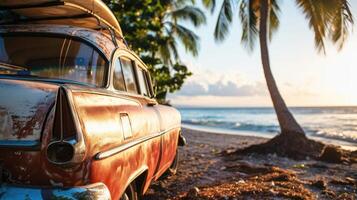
(126, 125)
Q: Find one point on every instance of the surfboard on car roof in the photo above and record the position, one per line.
(92, 14)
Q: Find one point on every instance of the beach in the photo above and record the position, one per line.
(208, 169)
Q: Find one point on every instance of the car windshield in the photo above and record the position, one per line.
(52, 57)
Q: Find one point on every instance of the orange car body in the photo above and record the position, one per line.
(109, 137)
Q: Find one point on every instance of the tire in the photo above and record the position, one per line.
(172, 170)
(130, 193)
(174, 166)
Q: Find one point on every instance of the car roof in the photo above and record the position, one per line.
(100, 39)
(92, 14)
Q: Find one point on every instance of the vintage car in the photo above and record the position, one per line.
(78, 117)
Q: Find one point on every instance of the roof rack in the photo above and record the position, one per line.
(82, 13)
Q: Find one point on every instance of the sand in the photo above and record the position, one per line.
(208, 171)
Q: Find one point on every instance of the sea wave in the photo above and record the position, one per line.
(240, 126)
(347, 134)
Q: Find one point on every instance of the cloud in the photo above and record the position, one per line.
(192, 88)
(233, 89)
(222, 88)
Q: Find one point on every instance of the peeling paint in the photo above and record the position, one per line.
(23, 108)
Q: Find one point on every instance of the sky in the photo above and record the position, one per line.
(227, 75)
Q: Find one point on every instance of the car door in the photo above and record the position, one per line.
(168, 135)
(141, 123)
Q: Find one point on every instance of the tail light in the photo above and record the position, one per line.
(66, 146)
(60, 152)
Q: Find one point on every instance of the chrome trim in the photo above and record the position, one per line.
(71, 143)
(19, 143)
(93, 191)
(116, 150)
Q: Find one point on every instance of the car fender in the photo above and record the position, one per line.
(142, 170)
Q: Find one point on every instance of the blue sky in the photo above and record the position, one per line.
(226, 74)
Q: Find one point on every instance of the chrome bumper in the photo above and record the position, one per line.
(93, 191)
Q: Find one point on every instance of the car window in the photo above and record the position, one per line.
(149, 83)
(143, 82)
(129, 76)
(119, 83)
(53, 57)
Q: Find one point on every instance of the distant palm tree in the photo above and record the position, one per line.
(174, 31)
(329, 19)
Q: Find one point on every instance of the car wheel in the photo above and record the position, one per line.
(130, 193)
(173, 168)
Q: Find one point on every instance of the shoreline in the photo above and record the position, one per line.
(210, 130)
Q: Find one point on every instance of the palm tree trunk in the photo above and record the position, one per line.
(287, 122)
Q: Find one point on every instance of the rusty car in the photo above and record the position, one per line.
(78, 116)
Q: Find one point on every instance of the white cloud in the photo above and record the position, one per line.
(224, 84)
(221, 88)
(208, 88)
(192, 88)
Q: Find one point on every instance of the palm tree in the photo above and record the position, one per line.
(153, 29)
(330, 20)
(173, 30)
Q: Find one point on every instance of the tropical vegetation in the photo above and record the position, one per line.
(154, 31)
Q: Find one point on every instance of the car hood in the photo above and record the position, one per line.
(23, 109)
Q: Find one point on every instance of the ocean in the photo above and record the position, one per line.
(335, 125)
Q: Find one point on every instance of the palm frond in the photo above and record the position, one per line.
(329, 20)
(248, 14)
(341, 23)
(210, 4)
(173, 48)
(164, 51)
(168, 51)
(317, 16)
(189, 39)
(224, 20)
(179, 3)
(188, 13)
(274, 21)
